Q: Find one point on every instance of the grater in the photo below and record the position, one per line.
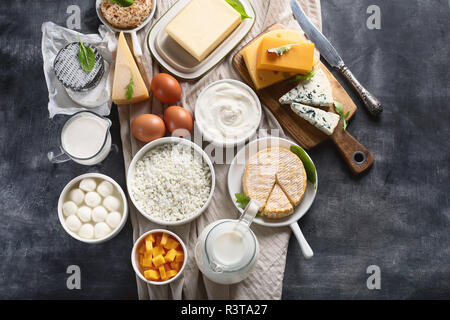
(68, 69)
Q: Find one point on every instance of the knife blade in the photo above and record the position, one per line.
(330, 54)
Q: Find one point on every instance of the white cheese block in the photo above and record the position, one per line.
(315, 92)
(202, 25)
(322, 120)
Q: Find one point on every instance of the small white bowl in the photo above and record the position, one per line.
(236, 142)
(135, 257)
(158, 142)
(74, 183)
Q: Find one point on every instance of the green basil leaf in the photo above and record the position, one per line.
(340, 111)
(130, 90)
(86, 56)
(124, 3)
(242, 200)
(309, 166)
(237, 5)
(304, 77)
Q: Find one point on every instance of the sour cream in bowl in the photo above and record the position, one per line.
(227, 113)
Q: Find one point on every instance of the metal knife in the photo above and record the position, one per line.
(333, 58)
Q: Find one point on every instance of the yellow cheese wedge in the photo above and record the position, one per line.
(278, 205)
(202, 25)
(125, 71)
(298, 59)
(264, 78)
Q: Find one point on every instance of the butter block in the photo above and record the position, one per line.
(264, 78)
(298, 59)
(202, 25)
(125, 70)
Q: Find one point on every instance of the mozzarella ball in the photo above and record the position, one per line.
(113, 219)
(105, 188)
(86, 231)
(101, 230)
(99, 214)
(111, 203)
(84, 213)
(92, 199)
(73, 223)
(69, 208)
(88, 184)
(77, 196)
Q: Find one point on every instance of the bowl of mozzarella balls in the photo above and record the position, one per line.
(92, 208)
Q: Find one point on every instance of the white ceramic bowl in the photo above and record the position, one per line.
(135, 257)
(249, 134)
(153, 144)
(74, 183)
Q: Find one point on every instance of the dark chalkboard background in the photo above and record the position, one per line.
(397, 216)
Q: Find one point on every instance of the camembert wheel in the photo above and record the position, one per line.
(276, 178)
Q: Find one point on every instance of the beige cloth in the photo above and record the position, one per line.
(266, 280)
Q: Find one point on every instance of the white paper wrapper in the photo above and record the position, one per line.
(54, 38)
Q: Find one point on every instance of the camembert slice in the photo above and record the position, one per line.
(259, 177)
(315, 92)
(278, 205)
(291, 176)
(126, 74)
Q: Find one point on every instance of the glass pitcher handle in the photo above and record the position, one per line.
(250, 212)
(59, 157)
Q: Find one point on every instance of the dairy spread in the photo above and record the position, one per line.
(227, 112)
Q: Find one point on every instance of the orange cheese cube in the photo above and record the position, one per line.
(147, 262)
(150, 238)
(158, 240)
(142, 249)
(171, 244)
(164, 239)
(162, 272)
(171, 273)
(148, 245)
(179, 257)
(175, 265)
(148, 255)
(158, 250)
(158, 261)
(170, 255)
(151, 275)
(298, 59)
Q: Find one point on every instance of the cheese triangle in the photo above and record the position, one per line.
(315, 92)
(125, 71)
(278, 205)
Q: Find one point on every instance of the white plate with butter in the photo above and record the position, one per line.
(176, 59)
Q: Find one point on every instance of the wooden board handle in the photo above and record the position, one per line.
(357, 157)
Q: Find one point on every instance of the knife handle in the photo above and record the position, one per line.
(372, 104)
(355, 155)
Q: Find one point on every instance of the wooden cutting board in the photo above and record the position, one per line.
(356, 156)
(303, 132)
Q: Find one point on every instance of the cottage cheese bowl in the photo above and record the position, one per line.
(227, 112)
(171, 181)
(92, 208)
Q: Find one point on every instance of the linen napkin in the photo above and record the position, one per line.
(265, 282)
(54, 38)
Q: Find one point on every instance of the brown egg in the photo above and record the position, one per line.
(148, 127)
(166, 88)
(178, 121)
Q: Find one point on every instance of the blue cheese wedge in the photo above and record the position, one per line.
(315, 92)
(322, 120)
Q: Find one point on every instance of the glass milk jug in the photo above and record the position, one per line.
(85, 139)
(227, 250)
